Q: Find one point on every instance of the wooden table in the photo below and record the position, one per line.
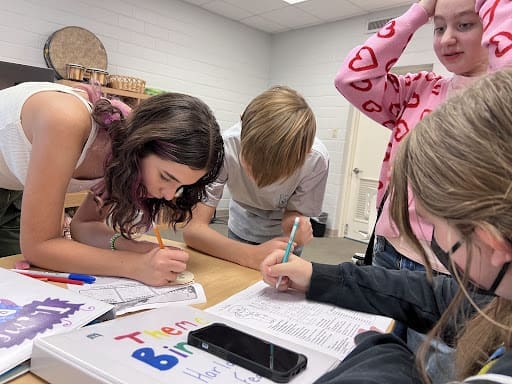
(219, 278)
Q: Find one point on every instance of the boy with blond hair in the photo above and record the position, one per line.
(275, 169)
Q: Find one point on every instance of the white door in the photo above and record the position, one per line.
(367, 145)
(367, 142)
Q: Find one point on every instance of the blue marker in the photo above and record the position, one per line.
(88, 279)
(289, 246)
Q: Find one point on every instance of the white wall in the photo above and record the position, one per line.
(171, 44)
(179, 47)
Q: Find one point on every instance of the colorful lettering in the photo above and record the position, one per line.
(31, 319)
(161, 362)
(131, 336)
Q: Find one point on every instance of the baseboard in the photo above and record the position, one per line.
(332, 232)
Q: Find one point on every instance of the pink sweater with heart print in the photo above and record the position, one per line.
(496, 16)
(398, 103)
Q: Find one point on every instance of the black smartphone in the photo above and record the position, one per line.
(257, 355)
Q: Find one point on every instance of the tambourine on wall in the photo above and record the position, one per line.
(76, 54)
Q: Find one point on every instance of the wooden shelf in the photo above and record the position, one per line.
(111, 91)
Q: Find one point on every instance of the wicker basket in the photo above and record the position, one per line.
(127, 83)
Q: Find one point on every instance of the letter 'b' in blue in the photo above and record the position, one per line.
(161, 362)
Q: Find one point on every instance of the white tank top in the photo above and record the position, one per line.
(15, 148)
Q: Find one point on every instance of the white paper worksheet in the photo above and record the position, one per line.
(322, 327)
(130, 295)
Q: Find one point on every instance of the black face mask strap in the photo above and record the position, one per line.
(442, 255)
(498, 279)
(455, 247)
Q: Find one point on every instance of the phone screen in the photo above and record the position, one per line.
(278, 360)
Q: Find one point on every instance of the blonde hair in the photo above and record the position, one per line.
(458, 164)
(278, 130)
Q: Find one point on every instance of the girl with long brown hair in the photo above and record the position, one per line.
(154, 161)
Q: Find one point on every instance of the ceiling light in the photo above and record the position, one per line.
(294, 1)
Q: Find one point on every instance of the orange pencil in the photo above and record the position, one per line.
(158, 236)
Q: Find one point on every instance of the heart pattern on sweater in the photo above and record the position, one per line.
(390, 64)
(363, 85)
(372, 106)
(503, 42)
(402, 130)
(436, 89)
(364, 60)
(393, 79)
(414, 101)
(430, 76)
(395, 108)
(488, 16)
(387, 31)
(425, 112)
(387, 155)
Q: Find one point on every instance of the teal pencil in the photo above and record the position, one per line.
(289, 246)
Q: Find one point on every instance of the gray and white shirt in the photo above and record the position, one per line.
(255, 214)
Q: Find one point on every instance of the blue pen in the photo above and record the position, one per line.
(289, 246)
(88, 279)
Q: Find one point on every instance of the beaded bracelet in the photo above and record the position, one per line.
(113, 239)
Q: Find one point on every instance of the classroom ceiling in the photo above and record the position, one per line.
(275, 16)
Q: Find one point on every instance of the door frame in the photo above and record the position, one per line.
(348, 160)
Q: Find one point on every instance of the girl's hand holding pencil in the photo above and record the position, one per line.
(296, 273)
(161, 265)
(289, 246)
